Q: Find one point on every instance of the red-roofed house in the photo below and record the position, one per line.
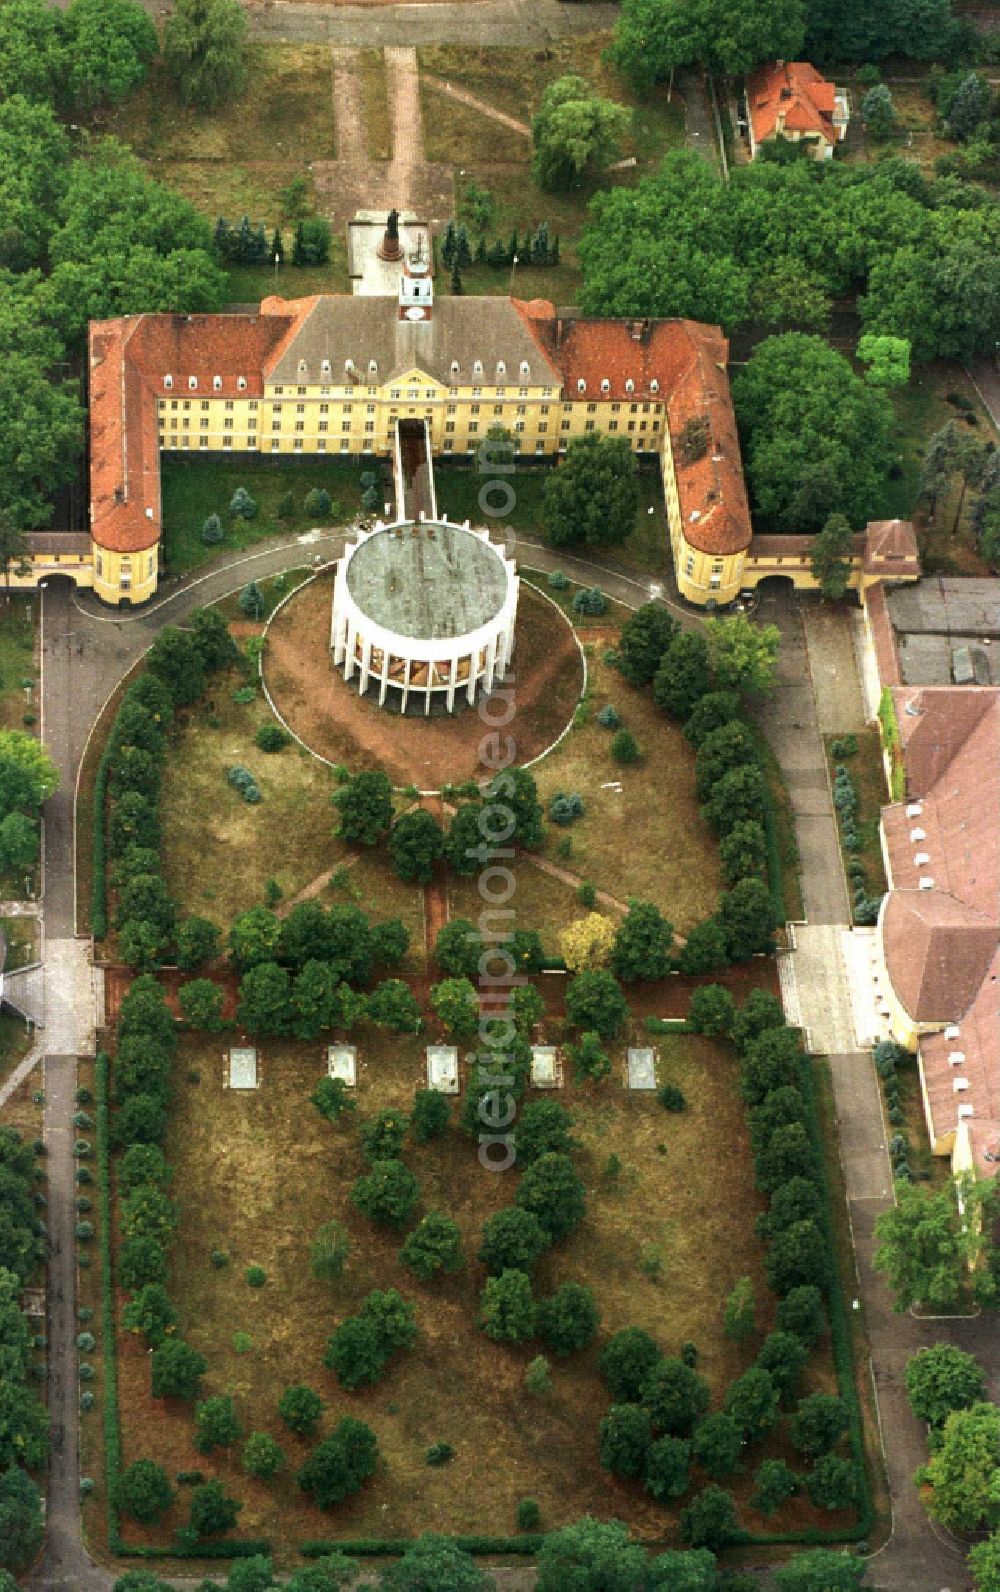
(790, 99)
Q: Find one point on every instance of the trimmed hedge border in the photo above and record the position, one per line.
(112, 1429)
(372, 1547)
(99, 854)
(667, 1025)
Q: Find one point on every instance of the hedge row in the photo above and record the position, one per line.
(840, 1332)
(371, 1547)
(112, 1427)
(99, 884)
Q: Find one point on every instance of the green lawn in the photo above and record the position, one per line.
(248, 284)
(194, 488)
(17, 659)
(647, 549)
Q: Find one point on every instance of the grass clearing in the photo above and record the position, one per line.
(647, 839)
(513, 81)
(206, 825)
(239, 157)
(539, 902)
(370, 66)
(193, 488)
(257, 1173)
(289, 836)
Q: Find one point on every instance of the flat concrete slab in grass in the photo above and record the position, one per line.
(642, 1067)
(243, 1067)
(342, 1063)
(545, 1071)
(442, 1068)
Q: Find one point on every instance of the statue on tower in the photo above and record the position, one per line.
(390, 247)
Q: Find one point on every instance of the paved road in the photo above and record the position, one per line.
(818, 693)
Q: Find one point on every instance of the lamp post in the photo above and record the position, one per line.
(513, 265)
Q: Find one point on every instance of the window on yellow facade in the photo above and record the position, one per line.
(473, 425)
(300, 425)
(564, 425)
(229, 403)
(612, 425)
(369, 425)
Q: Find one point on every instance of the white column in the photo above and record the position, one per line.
(491, 664)
(452, 682)
(350, 653)
(406, 684)
(366, 664)
(470, 690)
(386, 658)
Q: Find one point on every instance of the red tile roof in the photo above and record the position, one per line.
(129, 361)
(680, 364)
(891, 549)
(790, 95)
(942, 943)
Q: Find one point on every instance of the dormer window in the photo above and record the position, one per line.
(605, 384)
(373, 367)
(629, 385)
(525, 368)
(324, 367)
(454, 367)
(654, 385)
(501, 367)
(303, 367)
(477, 367)
(192, 384)
(241, 383)
(216, 383)
(168, 382)
(581, 385)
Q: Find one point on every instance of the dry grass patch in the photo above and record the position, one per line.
(539, 901)
(369, 881)
(19, 1112)
(257, 1173)
(370, 67)
(647, 839)
(218, 852)
(239, 157)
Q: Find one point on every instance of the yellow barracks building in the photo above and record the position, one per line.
(336, 374)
